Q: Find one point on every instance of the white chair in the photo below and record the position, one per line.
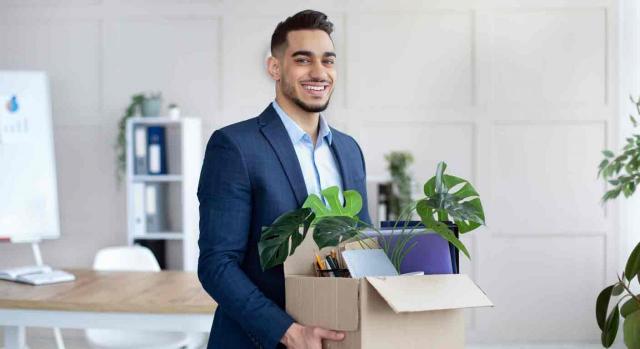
(134, 258)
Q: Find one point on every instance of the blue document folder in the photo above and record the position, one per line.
(157, 150)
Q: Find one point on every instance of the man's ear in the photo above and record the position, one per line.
(273, 68)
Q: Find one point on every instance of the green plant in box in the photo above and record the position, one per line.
(331, 225)
(447, 197)
(450, 198)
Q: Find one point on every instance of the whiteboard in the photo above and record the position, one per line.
(28, 192)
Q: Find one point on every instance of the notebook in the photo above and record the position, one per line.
(368, 262)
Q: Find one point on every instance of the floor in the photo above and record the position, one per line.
(38, 338)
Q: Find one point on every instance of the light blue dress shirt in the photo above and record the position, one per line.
(318, 164)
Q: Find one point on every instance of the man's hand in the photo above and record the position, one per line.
(308, 337)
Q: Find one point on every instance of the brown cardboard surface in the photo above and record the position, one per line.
(301, 262)
(327, 302)
(382, 328)
(420, 293)
(359, 308)
(370, 243)
(408, 312)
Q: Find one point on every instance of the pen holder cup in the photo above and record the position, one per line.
(341, 273)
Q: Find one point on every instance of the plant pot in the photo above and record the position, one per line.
(151, 107)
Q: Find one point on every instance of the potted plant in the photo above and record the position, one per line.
(397, 164)
(121, 142)
(622, 172)
(151, 104)
(147, 105)
(447, 198)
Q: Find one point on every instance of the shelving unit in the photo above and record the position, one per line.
(183, 144)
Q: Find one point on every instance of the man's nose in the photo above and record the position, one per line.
(318, 71)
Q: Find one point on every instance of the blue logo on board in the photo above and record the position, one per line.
(12, 105)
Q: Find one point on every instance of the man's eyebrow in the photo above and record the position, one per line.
(310, 54)
(302, 53)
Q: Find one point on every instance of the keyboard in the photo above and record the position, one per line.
(36, 275)
(52, 277)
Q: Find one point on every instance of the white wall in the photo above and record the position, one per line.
(519, 96)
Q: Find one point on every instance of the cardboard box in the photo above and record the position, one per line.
(424, 311)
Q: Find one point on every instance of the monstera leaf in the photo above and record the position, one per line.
(452, 198)
(441, 228)
(280, 240)
(332, 224)
(352, 199)
(332, 230)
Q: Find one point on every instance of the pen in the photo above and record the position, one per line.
(320, 263)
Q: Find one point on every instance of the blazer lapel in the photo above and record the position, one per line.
(275, 133)
(338, 148)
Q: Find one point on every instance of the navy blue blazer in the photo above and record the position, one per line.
(250, 176)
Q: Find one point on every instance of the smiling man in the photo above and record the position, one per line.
(260, 168)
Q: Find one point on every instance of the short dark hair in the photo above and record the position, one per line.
(307, 19)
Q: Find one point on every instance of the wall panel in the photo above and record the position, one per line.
(544, 178)
(562, 60)
(410, 59)
(178, 56)
(70, 52)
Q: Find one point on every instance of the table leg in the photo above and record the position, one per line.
(14, 337)
(58, 336)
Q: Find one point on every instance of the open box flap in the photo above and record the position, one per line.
(429, 292)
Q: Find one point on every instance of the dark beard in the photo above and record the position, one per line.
(287, 90)
(310, 108)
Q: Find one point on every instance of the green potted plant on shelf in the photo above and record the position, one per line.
(622, 172)
(446, 198)
(121, 142)
(141, 104)
(151, 104)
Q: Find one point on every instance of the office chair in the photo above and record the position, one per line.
(131, 258)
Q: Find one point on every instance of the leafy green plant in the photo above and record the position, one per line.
(281, 239)
(611, 166)
(397, 164)
(332, 225)
(630, 309)
(625, 182)
(447, 197)
(121, 142)
(450, 198)
(352, 199)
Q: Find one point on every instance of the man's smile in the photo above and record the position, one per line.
(316, 89)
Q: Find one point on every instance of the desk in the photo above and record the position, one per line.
(164, 301)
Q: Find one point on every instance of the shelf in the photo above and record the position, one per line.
(159, 236)
(157, 120)
(157, 178)
(183, 149)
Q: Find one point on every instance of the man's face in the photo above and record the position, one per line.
(307, 71)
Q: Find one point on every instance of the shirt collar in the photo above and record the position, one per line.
(296, 133)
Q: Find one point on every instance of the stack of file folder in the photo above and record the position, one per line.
(150, 199)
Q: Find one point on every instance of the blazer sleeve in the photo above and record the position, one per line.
(224, 193)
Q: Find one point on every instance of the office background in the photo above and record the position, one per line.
(518, 96)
